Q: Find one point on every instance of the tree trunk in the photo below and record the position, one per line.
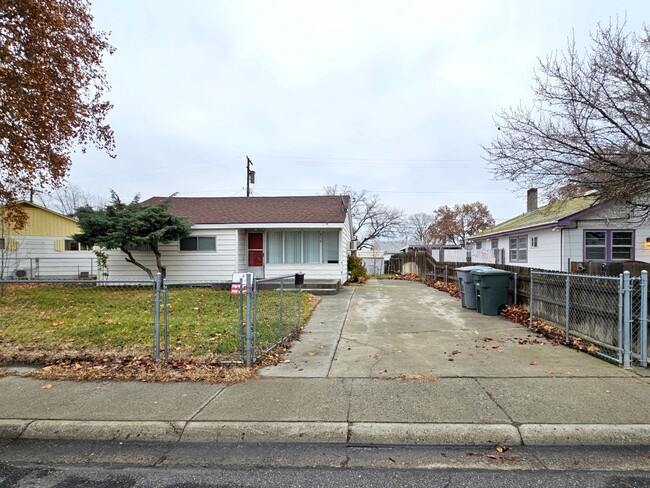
(131, 259)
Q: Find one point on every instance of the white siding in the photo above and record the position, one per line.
(241, 250)
(37, 256)
(182, 266)
(229, 256)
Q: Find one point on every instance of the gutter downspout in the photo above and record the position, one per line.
(562, 250)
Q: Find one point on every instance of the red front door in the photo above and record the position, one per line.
(256, 253)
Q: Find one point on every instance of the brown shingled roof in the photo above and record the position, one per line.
(258, 210)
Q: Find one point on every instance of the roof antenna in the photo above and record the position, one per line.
(250, 176)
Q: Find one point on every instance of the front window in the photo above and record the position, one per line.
(609, 245)
(198, 243)
(479, 244)
(307, 247)
(519, 249)
(2, 243)
(494, 243)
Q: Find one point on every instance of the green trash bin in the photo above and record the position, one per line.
(491, 290)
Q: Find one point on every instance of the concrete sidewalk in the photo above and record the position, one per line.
(341, 386)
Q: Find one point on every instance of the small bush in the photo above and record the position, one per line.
(356, 269)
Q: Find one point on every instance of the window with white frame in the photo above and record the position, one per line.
(519, 249)
(72, 245)
(494, 243)
(302, 247)
(479, 244)
(2, 243)
(198, 243)
(609, 245)
(533, 242)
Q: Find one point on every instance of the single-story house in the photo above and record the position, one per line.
(266, 236)
(555, 235)
(43, 248)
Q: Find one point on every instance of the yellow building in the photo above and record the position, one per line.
(44, 247)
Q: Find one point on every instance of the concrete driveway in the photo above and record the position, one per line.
(389, 328)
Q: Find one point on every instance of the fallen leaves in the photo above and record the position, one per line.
(142, 368)
(500, 448)
(556, 335)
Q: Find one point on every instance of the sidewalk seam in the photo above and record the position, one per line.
(338, 340)
(199, 410)
(512, 422)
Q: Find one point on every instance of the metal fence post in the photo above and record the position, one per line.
(567, 308)
(516, 284)
(299, 294)
(620, 318)
(281, 298)
(627, 320)
(242, 340)
(248, 319)
(643, 322)
(166, 321)
(156, 316)
(254, 319)
(530, 299)
(446, 274)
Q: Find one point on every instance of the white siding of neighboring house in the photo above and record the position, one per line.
(37, 255)
(216, 265)
(605, 220)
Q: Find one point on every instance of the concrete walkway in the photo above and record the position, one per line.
(479, 380)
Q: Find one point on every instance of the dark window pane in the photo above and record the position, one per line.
(621, 253)
(621, 238)
(189, 244)
(595, 238)
(595, 253)
(207, 244)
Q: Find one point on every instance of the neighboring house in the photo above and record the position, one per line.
(449, 253)
(44, 249)
(555, 235)
(267, 236)
(373, 261)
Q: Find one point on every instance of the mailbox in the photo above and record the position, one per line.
(299, 279)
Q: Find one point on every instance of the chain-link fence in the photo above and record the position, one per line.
(218, 320)
(76, 314)
(608, 315)
(276, 313)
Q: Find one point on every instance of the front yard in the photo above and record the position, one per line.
(45, 321)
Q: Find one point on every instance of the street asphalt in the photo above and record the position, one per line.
(388, 363)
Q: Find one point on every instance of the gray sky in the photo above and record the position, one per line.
(392, 97)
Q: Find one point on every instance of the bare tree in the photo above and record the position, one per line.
(371, 219)
(70, 198)
(418, 226)
(453, 225)
(589, 125)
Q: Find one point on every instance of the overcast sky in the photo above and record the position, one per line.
(392, 97)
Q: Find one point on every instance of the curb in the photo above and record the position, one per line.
(585, 434)
(354, 433)
(433, 434)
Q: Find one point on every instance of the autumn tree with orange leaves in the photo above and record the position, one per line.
(51, 95)
(453, 225)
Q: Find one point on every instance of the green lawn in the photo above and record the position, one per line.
(202, 321)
